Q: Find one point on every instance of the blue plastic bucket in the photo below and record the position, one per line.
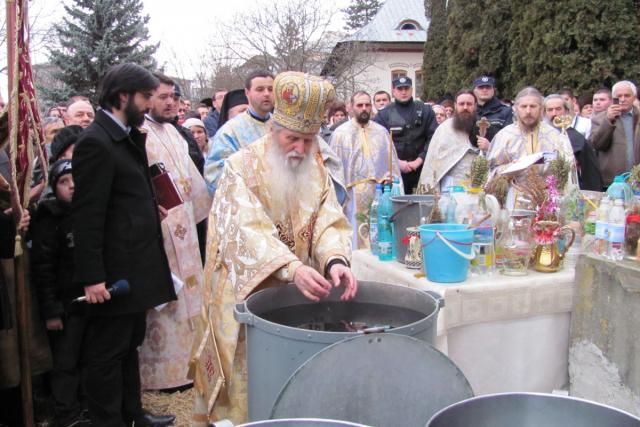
(446, 250)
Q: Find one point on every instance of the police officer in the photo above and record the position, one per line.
(489, 106)
(411, 124)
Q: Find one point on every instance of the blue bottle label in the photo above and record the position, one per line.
(616, 233)
(601, 230)
(384, 248)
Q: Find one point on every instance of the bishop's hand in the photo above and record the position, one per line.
(342, 275)
(311, 283)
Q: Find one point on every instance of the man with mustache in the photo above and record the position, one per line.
(454, 145)
(528, 135)
(242, 129)
(587, 167)
(275, 219)
(164, 355)
(363, 146)
(117, 235)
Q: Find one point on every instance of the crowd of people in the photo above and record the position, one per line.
(199, 205)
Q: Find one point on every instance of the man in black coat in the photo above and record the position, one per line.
(412, 124)
(589, 177)
(116, 227)
(489, 106)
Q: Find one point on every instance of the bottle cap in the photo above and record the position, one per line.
(457, 189)
(619, 178)
(378, 186)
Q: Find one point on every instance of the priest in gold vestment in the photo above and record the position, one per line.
(363, 146)
(164, 354)
(528, 135)
(275, 219)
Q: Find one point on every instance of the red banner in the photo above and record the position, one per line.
(26, 137)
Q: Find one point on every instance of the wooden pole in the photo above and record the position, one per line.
(22, 296)
(24, 334)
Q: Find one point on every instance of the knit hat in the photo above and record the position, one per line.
(57, 170)
(65, 137)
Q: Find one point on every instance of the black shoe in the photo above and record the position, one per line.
(79, 422)
(150, 420)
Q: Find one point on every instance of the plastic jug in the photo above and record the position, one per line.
(619, 189)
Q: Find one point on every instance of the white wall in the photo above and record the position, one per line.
(378, 75)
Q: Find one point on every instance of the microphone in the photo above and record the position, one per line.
(118, 288)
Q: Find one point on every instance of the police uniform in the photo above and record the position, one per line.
(412, 125)
(498, 114)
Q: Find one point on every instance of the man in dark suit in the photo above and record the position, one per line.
(117, 236)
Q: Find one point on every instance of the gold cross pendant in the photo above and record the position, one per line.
(186, 186)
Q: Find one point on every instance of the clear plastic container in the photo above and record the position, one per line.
(616, 231)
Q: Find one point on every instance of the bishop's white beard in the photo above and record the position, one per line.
(287, 177)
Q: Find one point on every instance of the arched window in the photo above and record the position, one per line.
(398, 73)
(409, 25)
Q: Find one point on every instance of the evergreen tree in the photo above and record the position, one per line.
(580, 44)
(464, 42)
(360, 12)
(493, 57)
(95, 35)
(434, 68)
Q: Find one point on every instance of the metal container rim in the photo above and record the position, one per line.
(527, 394)
(298, 334)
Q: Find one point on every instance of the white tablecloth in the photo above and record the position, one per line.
(505, 333)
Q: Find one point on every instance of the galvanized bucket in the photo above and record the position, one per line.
(530, 410)
(407, 211)
(277, 344)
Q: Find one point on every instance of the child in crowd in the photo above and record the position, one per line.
(52, 272)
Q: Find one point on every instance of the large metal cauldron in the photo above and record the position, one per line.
(292, 422)
(280, 321)
(407, 211)
(382, 380)
(530, 410)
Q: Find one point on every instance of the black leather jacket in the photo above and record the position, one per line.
(412, 125)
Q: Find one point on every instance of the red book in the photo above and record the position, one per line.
(166, 190)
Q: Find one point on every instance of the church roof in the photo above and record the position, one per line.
(385, 27)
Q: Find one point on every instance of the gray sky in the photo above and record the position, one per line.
(182, 27)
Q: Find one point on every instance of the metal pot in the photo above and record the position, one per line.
(383, 380)
(291, 422)
(277, 344)
(530, 410)
(407, 211)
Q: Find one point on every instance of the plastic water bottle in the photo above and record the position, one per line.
(388, 206)
(619, 189)
(483, 242)
(602, 218)
(452, 205)
(373, 220)
(396, 190)
(616, 231)
(385, 231)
